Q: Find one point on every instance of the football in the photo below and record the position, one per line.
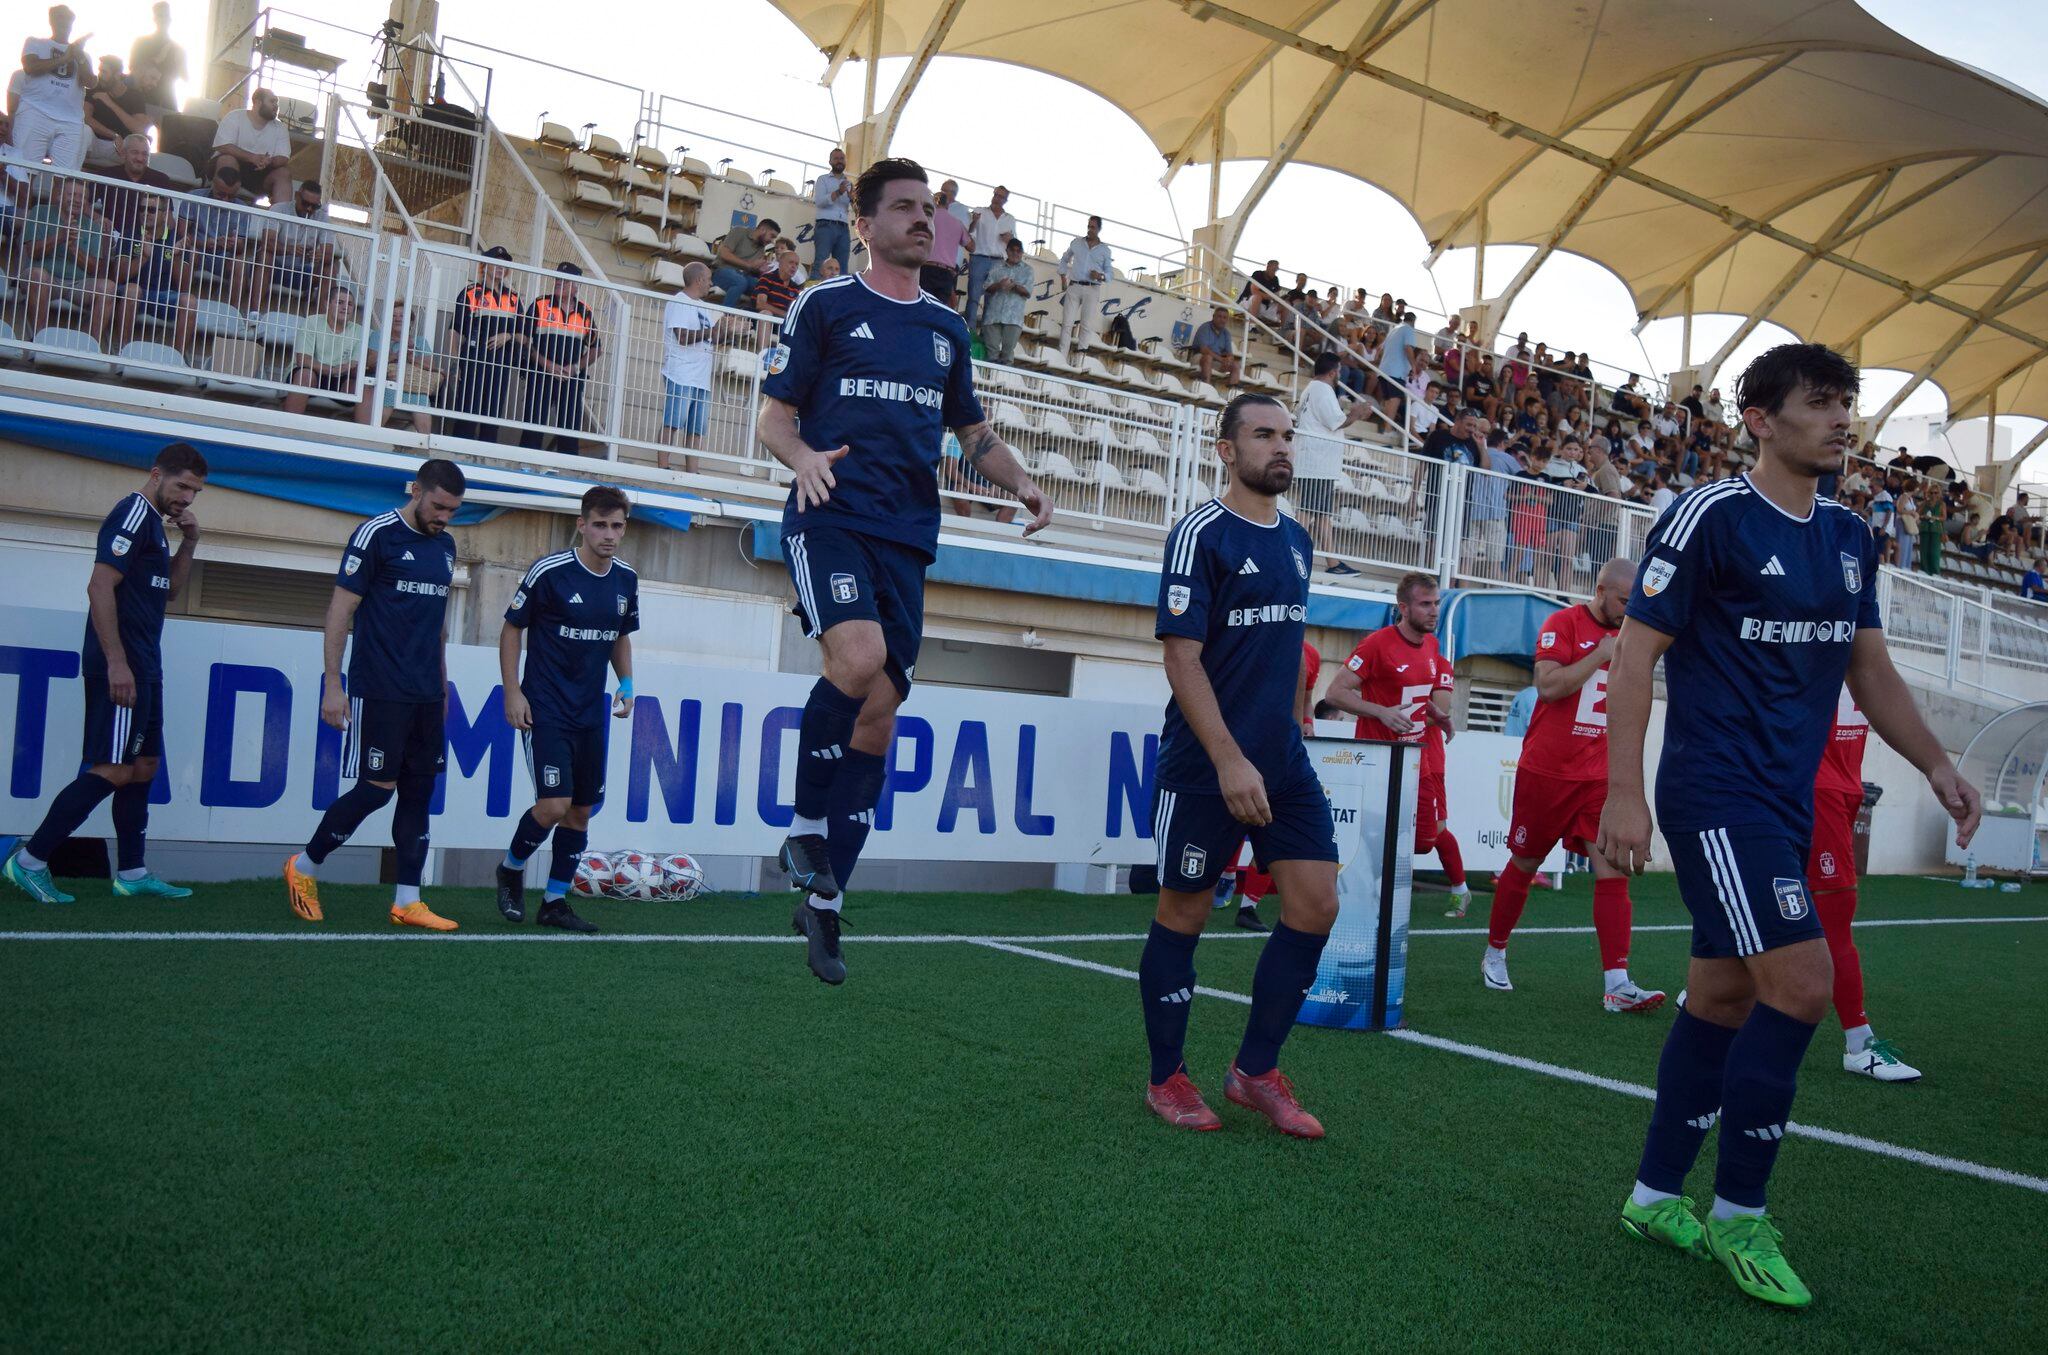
(634, 875)
(682, 879)
(591, 872)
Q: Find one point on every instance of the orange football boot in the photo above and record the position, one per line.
(302, 890)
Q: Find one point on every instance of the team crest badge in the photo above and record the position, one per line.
(775, 359)
(844, 589)
(1852, 573)
(1300, 565)
(550, 777)
(352, 564)
(1177, 598)
(121, 544)
(1827, 863)
(942, 349)
(1791, 895)
(622, 604)
(376, 759)
(1546, 640)
(1192, 859)
(1657, 577)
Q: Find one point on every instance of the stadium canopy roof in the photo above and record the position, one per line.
(1797, 162)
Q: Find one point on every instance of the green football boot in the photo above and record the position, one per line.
(1748, 1245)
(149, 887)
(37, 884)
(1670, 1222)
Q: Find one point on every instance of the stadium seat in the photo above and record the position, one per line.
(734, 174)
(665, 275)
(218, 319)
(1101, 471)
(692, 165)
(278, 329)
(158, 355)
(1012, 418)
(605, 147)
(651, 159)
(647, 207)
(68, 350)
(1205, 392)
(176, 168)
(582, 165)
(1141, 442)
(557, 137)
(631, 178)
(1147, 481)
(676, 186)
(688, 247)
(588, 194)
(9, 345)
(636, 235)
(1055, 466)
(1054, 425)
(738, 363)
(778, 186)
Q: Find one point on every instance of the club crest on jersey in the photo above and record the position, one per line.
(121, 545)
(1657, 576)
(1791, 895)
(942, 349)
(1546, 640)
(1192, 859)
(1852, 573)
(621, 600)
(1827, 864)
(376, 759)
(844, 589)
(351, 565)
(775, 359)
(1300, 565)
(550, 777)
(1177, 598)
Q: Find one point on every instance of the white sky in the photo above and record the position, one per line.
(1056, 142)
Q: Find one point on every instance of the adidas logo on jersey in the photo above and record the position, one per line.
(1248, 568)
(575, 597)
(408, 555)
(1773, 568)
(860, 331)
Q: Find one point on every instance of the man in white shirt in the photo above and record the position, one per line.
(989, 232)
(50, 122)
(951, 188)
(1319, 455)
(830, 194)
(1083, 269)
(256, 143)
(687, 331)
(1660, 492)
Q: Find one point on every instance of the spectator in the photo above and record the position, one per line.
(49, 123)
(1263, 292)
(219, 240)
(745, 255)
(298, 253)
(1319, 455)
(1484, 541)
(1455, 441)
(66, 247)
(483, 332)
(1397, 362)
(1527, 520)
(1660, 490)
(953, 206)
(990, 230)
(1428, 408)
(130, 172)
(963, 480)
(687, 330)
(1006, 289)
(562, 342)
(1695, 405)
(1908, 505)
(1716, 412)
(831, 196)
(327, 355)
(775, 292)
(940, 276)
(1356, 319)
(147, 276)
(787, 245)
(256, 143)
(2032, 588)
(1565, 516)
(1083, 268)
(156, 64)
(2023, 518)
(1664, 422)
(827, 271)
(1479, 388)
(422, 373)
(1880, 513)
(114, 109)
(1603, 476)
(1216, 358)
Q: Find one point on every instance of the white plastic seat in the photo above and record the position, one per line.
(159, 355)
(650, 158)
(778, 186)
(278, 329)
(676, 186)
(557, 137)
(8, 343)
(1141, 441)
(738, 363)
(1009, 416)
(692, 165)
(588, 194)
(665, 274)
(68, 350)
(648, 207)
(217, 318)
(1145, 480)
(175, 168)
(583, 165)
(631, 178)
(734, 174)
(605, 147)
(1102, 472)
(1353, 520)
(1054, 425)
(1055, 466)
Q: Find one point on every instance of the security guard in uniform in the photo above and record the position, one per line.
(562, 342)
(484, 338)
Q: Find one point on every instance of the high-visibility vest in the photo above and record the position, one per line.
(549, 317)
(483, 301)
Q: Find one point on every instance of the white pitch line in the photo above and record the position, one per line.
(1861, 923)
(1955, 1165)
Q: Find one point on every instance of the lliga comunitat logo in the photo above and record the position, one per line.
(1343, 758)
(1506, 787)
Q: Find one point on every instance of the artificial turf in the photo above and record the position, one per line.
(442, 1146)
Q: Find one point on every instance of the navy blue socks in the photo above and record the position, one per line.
(1166, 986)
(526, 840)
(1690, 1074)
(821, 746)
(1756, 1102)
(570, 844)
(409, 828)
(850, 811)
(344, 816)
(1287, 968)
(73, 806)
(131, 827)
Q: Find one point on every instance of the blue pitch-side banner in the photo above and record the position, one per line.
(1362, 978)
(706, 763)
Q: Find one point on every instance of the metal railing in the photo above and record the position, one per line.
(1940, 633)
(1524, 532)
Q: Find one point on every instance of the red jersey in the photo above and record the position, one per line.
(1314, 662)
(1433, 735)
(1394, 672)
(1841, 762)
(1567, 738)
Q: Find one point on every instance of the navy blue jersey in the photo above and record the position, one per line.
(886, 379)
(402, 576)
(132, 540)
(572, 618)
(1242, 590)
(1762, 608)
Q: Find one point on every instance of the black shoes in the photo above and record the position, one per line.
(820, 927)
(1248, 919)
(511, 893)
(808, 865)
(558, 913)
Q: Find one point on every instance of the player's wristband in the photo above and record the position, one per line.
(625, 689)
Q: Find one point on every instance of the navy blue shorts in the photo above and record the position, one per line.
(566, 763)
(1745, 888)
(1198, 838)
(389, 739)
(121, 734)
(851, 576)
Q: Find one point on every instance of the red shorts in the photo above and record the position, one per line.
(1430, 810)
(1831, 863)
(1550, 809)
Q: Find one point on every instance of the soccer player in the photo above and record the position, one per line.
(1831, 872)
(1233, 594)
(875, 371)
(1760, 597)
(134, 576)
(393, 588)
(1561, 785)
(1398, 683)
(1247, 881)
(581, 607)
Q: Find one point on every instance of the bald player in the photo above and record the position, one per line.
(1561, 786)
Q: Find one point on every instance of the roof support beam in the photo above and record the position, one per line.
(1503, 125)
(1961, 335)
(920, 61)
(1846, 218)
(1919, 195)
(837, 54)
(1630, 149)
(1958, 410)
(1210, 125)
(2006, 471)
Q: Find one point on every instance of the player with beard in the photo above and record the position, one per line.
(1233, 602)
(869, 375)
(1760, 598)
(1561, 786)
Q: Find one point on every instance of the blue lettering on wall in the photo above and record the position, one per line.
(902, 778)
(218, 785)
(34, 668)
(968, 781)
(1130, 785)
(1028, 823)
(768, 800)
(470, 743)
(726, 803)
(651, 759)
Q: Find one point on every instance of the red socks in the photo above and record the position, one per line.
(1612, 915)
(1453, 858)
(1510, 893)
(1836, 908)
(1253, 886)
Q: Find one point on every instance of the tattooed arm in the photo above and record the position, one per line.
(983, 451)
